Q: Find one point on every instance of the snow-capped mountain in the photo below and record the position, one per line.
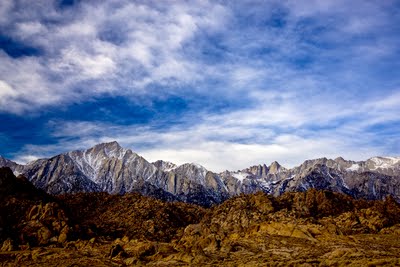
(109, 167)
(372, 179)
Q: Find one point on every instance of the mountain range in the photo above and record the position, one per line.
(108, 167)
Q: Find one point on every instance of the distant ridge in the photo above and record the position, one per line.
(108, 167)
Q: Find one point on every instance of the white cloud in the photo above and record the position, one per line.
(27, 30)
(5, 8)
(29, 86)
(128, 47)
(143, 48)
(232, 142)
(6, 90)
(24, 159)
(85, 66)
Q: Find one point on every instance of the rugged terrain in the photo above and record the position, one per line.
(311, 228)
(110, 168)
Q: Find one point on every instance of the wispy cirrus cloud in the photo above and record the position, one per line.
(120, 48)
(233, 140)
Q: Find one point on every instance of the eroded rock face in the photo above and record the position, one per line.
(311, 215)
(59, 175)
(110, 168)
(192, 183)
(372, 179)
(131, 215)
(44, 224)
(7, 245)
(17, 196)
(164, 165)
(313, 227)
(16, 168)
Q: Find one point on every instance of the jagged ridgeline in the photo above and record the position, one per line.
(110, 168)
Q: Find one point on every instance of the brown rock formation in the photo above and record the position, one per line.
(312, 228)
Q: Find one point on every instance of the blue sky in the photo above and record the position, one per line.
(226, 84)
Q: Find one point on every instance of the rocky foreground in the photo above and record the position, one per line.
(312, 228)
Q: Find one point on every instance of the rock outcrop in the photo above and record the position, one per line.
(44, 224)
(131, 215)
(311, 228)
(17, 195)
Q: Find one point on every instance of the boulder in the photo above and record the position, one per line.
(7, 246)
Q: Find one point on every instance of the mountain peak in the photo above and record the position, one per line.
(112, 144)
(109, 167)
(197, 165)
(192, 170)
(339, 159)
(164, 165)
(274, 167)
(110, 149)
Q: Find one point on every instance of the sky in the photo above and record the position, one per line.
(226, 84)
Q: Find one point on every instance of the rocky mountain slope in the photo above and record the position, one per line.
(311, 228)
(110, 168)
(371, 179)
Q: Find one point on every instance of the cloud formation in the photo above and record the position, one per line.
(225, 84)
(90, 49)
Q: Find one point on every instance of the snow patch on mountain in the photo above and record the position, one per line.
(354, 167)
(201, 168)
(384, 162)
(111, 168)
(165, 165)
(240, 175)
